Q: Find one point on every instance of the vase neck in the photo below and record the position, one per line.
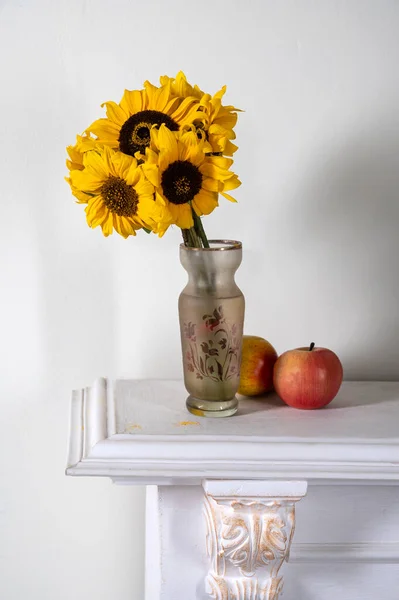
(211, 272)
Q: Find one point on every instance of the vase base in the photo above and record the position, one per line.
(212, 408)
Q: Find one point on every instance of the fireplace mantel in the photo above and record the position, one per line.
(223, 494)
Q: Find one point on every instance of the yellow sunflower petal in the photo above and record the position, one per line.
(105, 130)
(123, 226)
(113, 160)
(230, 148)
(162, 217)
(76, 157)
(123, 164)
(164, 160)
(143, 186)
(187, 111)
(99, 219)
(95, 208)
(159, 198)
(219, 95)
(72, 166)
(84, 143)
(185, 220)
(231, 184)
(165, 79)
(96, 212)
(98, 164)
(162, 97)
(150, 157)
(132, 176)
(192, 153)
(118, 226)
(151, 91)
(84, 181)
(228, 197)
(149, 211)
(212, 185)
(190, 138)
(108, 225)
(181, 215)
(217, 129)
(167, 141)
(115, 113)
(132, 102)
(210, 170)
(182, 87)
(208, 147)
(81, 197)
(205, 202)
(227, 120)
(161, 229)
(221, 161)
(152, 173)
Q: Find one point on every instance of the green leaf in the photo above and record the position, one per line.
(147, 230)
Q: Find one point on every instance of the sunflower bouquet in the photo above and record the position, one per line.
(160, 157)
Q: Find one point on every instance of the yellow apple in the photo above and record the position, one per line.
(258, 359)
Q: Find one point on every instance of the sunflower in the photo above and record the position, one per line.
(214, 122)
(128, 124)
(120, 197)
(185, 178)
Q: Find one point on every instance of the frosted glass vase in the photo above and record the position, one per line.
(211, 313)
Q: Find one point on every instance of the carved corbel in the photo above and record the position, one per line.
(250, 525)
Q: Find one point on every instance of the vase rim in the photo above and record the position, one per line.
(223, 245)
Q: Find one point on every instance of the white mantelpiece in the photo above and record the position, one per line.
(247, 473)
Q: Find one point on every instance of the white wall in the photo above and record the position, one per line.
(318, 214)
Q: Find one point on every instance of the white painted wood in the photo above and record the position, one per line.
(328, 523)
(250, 526)
(255, 489)
(75, 446)
(140, 431)
(89, 422)
(152, 545)
(360, 552)
(347, 527)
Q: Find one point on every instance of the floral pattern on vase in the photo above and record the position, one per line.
(219, 357)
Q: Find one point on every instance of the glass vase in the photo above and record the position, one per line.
(211, 313)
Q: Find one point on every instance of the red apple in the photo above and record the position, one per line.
(258, 359)
(308, 378)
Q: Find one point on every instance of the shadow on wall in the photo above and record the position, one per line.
(347, 219)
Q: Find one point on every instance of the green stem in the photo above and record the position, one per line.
(196, 239)
(199, 229)
(191, 238)
(186, 236)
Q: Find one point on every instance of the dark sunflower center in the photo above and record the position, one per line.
(135, 135)
(181, 181)
(119, 197)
